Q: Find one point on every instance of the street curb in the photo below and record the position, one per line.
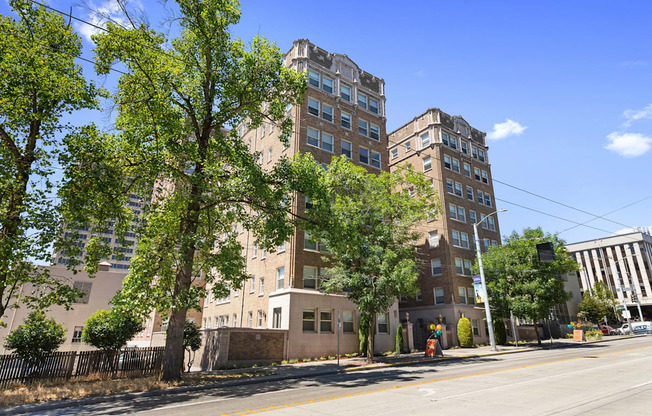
(84, 401)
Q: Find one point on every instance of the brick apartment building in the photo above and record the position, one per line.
(343, 113)
(453, 155)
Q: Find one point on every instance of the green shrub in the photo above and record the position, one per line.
(110, 330)
(499, 332)
(399, 339)
(36, 337)
(465, 333)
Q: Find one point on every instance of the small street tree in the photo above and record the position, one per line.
(36, 337)
(518, 281)
(597, 304)
(39, 83)
(179, 104)
(191, 341)
(366, 221)
(109, 330)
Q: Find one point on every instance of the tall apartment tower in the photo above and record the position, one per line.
(453, 155)
(343, 113)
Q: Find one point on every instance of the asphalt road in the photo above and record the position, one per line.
(611, 378)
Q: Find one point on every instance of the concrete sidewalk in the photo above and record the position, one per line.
(307, 370)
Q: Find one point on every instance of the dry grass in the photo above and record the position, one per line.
(94, 386)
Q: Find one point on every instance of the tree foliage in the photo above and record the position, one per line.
(465, 333)
(518, 281)
(176, 103)
(36, 337)
(499, 331)
(597, 304)
(109, 330)
(366, 221)
(191, 341)
(39, 83)
(399, 339)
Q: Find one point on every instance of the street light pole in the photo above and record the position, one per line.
(487, 310)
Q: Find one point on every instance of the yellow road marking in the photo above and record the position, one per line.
(419, 383)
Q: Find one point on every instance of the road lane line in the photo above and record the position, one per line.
(420, 383)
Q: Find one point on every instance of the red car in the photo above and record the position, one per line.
(607, 330)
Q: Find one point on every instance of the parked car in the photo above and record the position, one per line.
(638, 328)
(607, 330)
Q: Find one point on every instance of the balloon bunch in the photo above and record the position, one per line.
(436, 329)
(574, 325)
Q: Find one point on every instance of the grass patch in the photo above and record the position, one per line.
(17, 394)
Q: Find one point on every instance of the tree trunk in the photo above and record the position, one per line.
(536, 331)
(173, 357)
(371, 337)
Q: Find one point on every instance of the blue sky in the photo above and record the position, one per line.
(563, 88)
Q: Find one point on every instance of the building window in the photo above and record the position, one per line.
(470, 296)
(309, 277)
(375, 159)
(444, 138)
(452, 211)
(327, 84)
(313, 107)
(347, 322)
(327, 142)
(464, 146)
(327, 112)
(364, 156)
(383, 326)
(313, 78)
(419, 296)
(476, 328)
(252, 284)
(313, 137)
(373, 105)
(269, 155)
(280, 278)
(425, 141)
(461, 294)
(461, 214)
(309, 243)
(394, 153)
(85, 288)
(469, 193)
(456, 239)
(458, 189)
(346, 120)
(468, 271)
(487, 200)
(453, 143)
(427, 163)
(467, 170)
(408, 147)
(465, 240)
(447, 162)
(276, 317)
(308, 320)
(439, 295)
(492, 223)
(473, 218)
(347, 149)
(77, 333)
(481, 155)
(363, 127)
(282, 247)
(259, 320)
(362, 100)
(476, 174)
(456, 165)
(449, 186)
(480, 197)
(485, 178)
(374, 132)
(261, 286)
(345, 92)
(435, 265)
(326, 321)
(250, 319)
(433, 239)
(459, 267)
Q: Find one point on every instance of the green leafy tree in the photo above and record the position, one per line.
(465, 333)
(109, 330)
(175, 102)
(191, 341)
(499, 331)
(39, 83)
(518, 281)
(366, 221)
(36, 337)
(363, 333)
(597, 304)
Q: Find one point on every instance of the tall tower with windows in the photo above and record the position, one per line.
(453, 155)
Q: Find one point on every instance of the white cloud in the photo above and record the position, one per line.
(99, 15)
(506, 129)
(633, 115)
(628, 144)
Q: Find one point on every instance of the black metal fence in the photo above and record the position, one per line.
(67, 365)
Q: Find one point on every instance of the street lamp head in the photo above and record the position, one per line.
(502, 210)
